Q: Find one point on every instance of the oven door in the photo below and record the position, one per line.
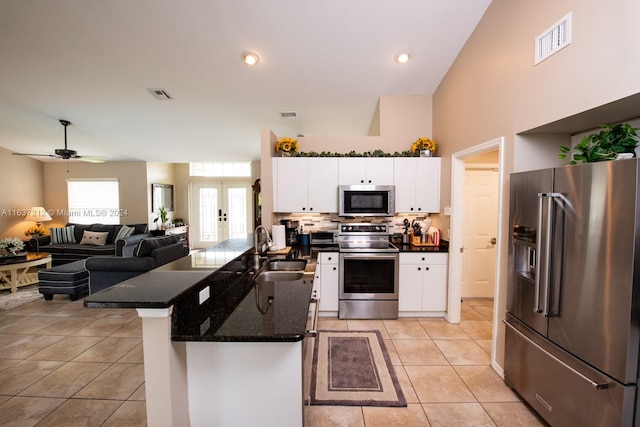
(368, 276)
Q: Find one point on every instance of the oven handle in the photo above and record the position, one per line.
(369, 255)
(314, 322)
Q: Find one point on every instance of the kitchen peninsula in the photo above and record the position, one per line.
(217, 341)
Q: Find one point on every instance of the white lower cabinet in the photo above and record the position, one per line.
(423, 283)
(328, 277)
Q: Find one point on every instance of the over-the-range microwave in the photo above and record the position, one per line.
(366, 200)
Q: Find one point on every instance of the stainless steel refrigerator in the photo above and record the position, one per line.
(573, 314)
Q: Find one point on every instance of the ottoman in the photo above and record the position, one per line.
(71, 279)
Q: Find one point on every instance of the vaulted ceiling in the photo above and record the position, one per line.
(93, 63)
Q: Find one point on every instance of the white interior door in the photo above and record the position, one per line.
(480, 232)
(219, 211)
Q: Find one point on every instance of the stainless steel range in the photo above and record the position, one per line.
(368, 272)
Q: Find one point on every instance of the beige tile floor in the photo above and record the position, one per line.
(62, 364)
(445, 374)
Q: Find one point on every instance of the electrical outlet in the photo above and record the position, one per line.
(204, 295)
(447, 210)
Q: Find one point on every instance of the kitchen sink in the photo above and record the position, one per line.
(286, 265)
(277, 276)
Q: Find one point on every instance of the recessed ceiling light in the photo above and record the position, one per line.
(250, 58)
(402, 58)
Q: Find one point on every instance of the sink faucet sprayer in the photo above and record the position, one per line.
(258, 245)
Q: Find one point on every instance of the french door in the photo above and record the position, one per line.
(219, 211)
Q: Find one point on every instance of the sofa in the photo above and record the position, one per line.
(149, 253)
(80, 241)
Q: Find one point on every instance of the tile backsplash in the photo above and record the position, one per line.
(322, 222)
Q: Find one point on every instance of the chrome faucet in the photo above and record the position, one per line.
(258, 245)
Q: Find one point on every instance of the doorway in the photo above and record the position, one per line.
(457, 225)
(479, 237)
(219, 211)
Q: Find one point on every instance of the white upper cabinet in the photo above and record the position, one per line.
(305, 184)
(417, 181)
(365, 170)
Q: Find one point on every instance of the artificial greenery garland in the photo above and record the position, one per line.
(374, 153)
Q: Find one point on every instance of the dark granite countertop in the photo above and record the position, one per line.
(163, 286)
(244, 310)
(238, 309)
(444, 247)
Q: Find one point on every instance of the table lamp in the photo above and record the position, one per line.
(38, 215)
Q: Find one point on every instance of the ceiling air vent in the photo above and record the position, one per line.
(160, 94)
(288, 115)
(553, 39)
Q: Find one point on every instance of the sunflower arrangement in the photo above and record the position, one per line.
(424, 144)
(34, 231)
(287, 145)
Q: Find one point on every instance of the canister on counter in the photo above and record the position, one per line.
(304, 239)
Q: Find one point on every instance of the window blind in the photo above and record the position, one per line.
(94, 201)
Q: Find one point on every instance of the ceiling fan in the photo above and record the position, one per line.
(65, 153)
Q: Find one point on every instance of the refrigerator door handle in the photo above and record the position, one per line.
(594, 384)
(544, 244)
(542, 264)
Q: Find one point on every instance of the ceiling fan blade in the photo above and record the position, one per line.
(31, 154)
(91, 159)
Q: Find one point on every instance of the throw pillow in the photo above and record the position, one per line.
(94, 238)
(125, 231)
(62, 235)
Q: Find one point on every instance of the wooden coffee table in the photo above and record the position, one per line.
(15, 272)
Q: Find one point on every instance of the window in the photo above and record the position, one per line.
(220, 169)
(94, 201)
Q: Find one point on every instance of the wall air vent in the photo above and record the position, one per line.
(160, 94)
(553, 39)
(288, 115)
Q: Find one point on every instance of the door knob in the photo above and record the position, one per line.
(493, 241)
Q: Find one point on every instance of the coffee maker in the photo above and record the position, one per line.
(290, 231)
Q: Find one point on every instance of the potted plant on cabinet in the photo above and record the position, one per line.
(612, 142)
(163, 216)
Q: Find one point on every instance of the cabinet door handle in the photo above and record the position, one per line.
(335, 268)
(419, 268)
(426, 268)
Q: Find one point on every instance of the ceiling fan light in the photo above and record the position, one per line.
(403, 58)
(250, 58)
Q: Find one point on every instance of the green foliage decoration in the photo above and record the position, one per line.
(353, 153)
(604, 145)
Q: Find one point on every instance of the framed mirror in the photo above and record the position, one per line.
(161, 195)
